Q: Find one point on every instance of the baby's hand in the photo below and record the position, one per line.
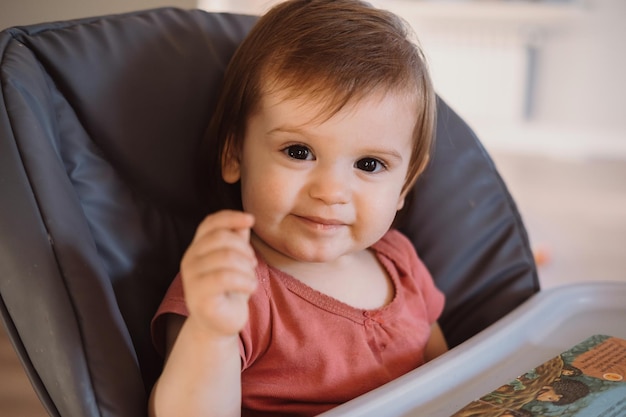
(218, 273)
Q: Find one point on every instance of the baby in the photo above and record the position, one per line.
(296, 294)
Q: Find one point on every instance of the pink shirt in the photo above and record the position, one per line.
(304, 352)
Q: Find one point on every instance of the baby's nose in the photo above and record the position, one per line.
(332, 186)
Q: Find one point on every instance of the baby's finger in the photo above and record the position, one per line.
(221, 303)
(225, 219)
(222, 259)
(228, 242)
(212, 278)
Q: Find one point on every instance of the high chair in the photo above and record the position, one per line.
(102, 182)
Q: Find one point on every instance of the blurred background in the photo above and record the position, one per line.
(542, 83)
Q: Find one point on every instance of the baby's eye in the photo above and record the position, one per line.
(298, 152)
(369, 165)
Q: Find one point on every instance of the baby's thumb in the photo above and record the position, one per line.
(244, 232)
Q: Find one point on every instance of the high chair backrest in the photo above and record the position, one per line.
(102, 185)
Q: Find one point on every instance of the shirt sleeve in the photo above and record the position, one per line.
(399, 247)
(433, 297)
(173, 303)
(254, 333)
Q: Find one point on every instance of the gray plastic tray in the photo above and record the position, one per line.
(547, 324)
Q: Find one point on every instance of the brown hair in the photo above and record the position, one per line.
(332, 51)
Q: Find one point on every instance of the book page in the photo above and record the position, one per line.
(587, 380)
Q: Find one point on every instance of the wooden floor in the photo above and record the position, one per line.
(17, 398)
(575, 211)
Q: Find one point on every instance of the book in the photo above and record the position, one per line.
(588, 380)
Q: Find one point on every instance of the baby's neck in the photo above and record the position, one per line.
(357, 279)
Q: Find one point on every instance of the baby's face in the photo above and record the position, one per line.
(321, 188)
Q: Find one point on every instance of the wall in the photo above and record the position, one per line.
(583, 70)
(23, 12)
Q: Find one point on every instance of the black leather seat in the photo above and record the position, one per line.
(102, 185)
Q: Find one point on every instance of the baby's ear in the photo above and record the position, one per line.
(231, 169)
(402, 198)
(401, 202)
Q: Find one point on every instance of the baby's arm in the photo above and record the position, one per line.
(436, 344)
(202, 373)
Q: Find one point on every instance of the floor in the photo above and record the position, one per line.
(17, 398)
(575, 212)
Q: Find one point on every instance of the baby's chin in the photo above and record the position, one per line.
(304, 251)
